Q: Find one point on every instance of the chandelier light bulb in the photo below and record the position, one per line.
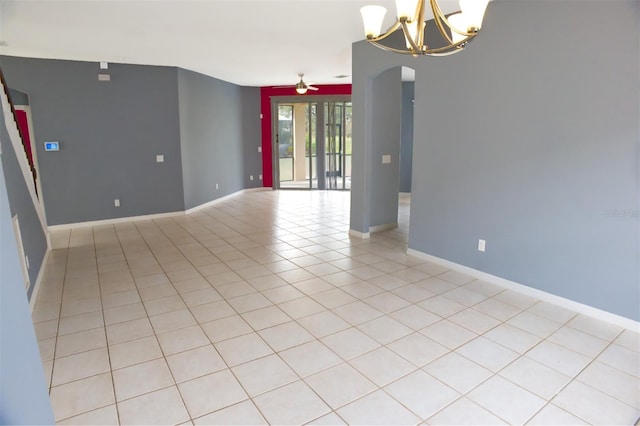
(406, 9)
(473, 11)
(372, 17)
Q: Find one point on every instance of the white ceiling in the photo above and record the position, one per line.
(246, 42)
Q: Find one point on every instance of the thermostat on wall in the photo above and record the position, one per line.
(52, 146)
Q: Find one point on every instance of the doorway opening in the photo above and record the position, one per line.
(312, 143)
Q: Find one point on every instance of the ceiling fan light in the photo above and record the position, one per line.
(372, 17)
(301, 89)
(458, 22)
(474, 12)
(406, 8)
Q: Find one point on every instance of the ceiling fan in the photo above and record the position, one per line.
(301, 87)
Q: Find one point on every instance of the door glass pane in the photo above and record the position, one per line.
(285, 142)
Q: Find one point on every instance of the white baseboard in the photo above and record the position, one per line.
(578, 307)
(66, 226)
(381, 228)
(36, 287)
(358, 234)
(224, 198)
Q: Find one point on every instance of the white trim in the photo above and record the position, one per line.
(358, 234)
(14, 137)
(19, 244)
(36, 287)
(530, 291)
(223, 198)
(381, 228)
(34, 154)
(66, 226)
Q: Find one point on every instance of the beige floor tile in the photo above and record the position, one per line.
(421, 393)
(81, 322)
(201, 297)
(124, 313)
(226, 328)
(377, 408)
(465, 412)
(81, 396)
(593, 406)
(129, 330)
(350, 343)
(80, 366)
(448, 334)
(552, 415)
(506, 400)
(395, 366)
(172, 321)
(310, 358)
(81, 341)
(285, 336)
(418, 349)
(301, 307)
(141, 378)
(209, 393)
(162, 407)
(182, 340)
(487, 353)
(195, 363)
(385, 329)
(291, 404)
(212, 311)
(512, 338)
(264, 374)
(242, 349)
(102, 416)
(339, 385)
(559, 358)
(244, 413)
(323, 323)
(249, 302)
(458, 372)
(134, 352)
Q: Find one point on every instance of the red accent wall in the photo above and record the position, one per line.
(23, 126)
(266, 93)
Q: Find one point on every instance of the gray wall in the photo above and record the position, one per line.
(109, 133)
(23, 389)
(34, 240)
(18, 98)
(386, 123)
(531, 146)
(215, 135)
(406, 137)
(251, 136)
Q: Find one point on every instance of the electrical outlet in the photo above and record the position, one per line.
(259, 149)
(386, 159)
(116, 202)
(481, 245)
(159, 158)
(250, 177)
(260, 177)
(217, 186)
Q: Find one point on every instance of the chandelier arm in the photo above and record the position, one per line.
(407, 35)
(439, 18)
(393, 49)
(387, 33)
(421, 23)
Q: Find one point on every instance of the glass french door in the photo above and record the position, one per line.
(312, 145)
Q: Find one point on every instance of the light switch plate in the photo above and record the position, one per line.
(160, 158)
(386, 159)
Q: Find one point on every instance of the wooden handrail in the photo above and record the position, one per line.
(32, 167)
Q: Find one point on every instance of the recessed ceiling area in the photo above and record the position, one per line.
(246, 42)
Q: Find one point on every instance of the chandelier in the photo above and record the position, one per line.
(456, 30)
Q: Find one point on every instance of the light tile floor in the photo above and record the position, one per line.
(261, 309)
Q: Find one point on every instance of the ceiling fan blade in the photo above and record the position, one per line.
(312, 88)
